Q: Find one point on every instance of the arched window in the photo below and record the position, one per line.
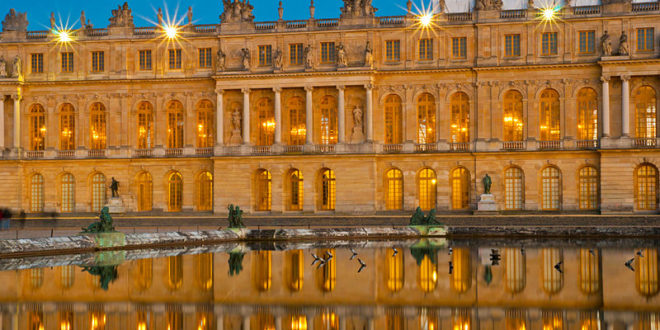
(460, 118)
(98, 192)
(646, 187)
(587, 105)
(145, 118)
(549, 115)
(514, 270)
(263, 191)
(553, 280)
(67, 276)
(326, 277)
(144, 192)
(551, 189)
(97, 126)
(296, 189)
(174, 272)
(205, 126)
(427, 189)
(514, 184)
(461, 276)
(295, 270)
(513, 116)
(589, 273)
(646, 272)
(297, 117)
(395, 270)
(425, 119)
(394, 186)
(645, 102)
(144, 273)
(588, 186)
(67, 186)
(205, 191)
(461, 318)
(460, 188)
(175, 192)
(204, 270)
(328, 120)
(262, 265)
(427, 278)
(393, 114)
(175, 124)
(67, 127)
(35, 277)
(266, 122)
(328, 189)
(37, 127)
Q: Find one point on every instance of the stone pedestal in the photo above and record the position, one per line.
(115, 205)
(487, 204)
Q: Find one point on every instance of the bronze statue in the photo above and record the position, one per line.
(487, 183)
(235, 217)
(104, 225)
(418, 218)
(114, 187)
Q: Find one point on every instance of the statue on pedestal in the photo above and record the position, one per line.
(83, 20)
(104, 225)
(3, 67)
(52, 20)
(114, 187)
(236, 137)
(357, 8)
(342, 61)
(220, 61)
(358, 132)
(160, 16)
(236, 11)
(623, 45)
(17, 66)
(278, 62)
(308, 57)
(368, 55)
(606, 44)
(122, 16)
(235, 217)
(245, 54)
(487, 181)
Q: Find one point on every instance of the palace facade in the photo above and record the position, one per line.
(356, 115)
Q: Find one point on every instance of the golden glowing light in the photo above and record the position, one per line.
(548, 13)
(426, 19)
(426, 16)
(63, 36)
(171, 31)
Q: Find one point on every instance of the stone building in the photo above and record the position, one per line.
(356, 115)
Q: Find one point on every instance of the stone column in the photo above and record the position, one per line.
(309, 116)
(17, 120)
(625, 105)
(370, 112)
(341, 115)
(219, 117)
(2, 122)
(606, 106)
(246, 115)
(278, 115)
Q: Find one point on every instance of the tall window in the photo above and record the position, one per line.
(645, 39)
(296, 188)
(294, 270)
(67, 276)
(145, 59)
(98, 126)
(512, 45)
(646, 273)
(326, 278)
(263, 190)
(551, 188)
(589, 273)
(296, 54)
(37, 193)
(67, 186)
(37, 127)
(513, 116)
(175, 192)
(587, 104)
(392, 50)
(67, 127)
(328, 120)
(395, 270)
(144, 192)
(394, 186)
(393, 114)
(174, 124)
(98, 192)
(67, 62)
(427, 189)
(175, 59)
(328, 53)
(549, 43)
(145, 125)
(205, 192)
(587, 42)
(297, 117)
(425, 119)
(645, 100)
(553, 280)
(588, 186)
(37, 63)
(460, 189)
(203, 265)
(427, 279)
(425, 49)
(174, 317)
(549, 112)
(266, 128)
(460, 118)
(265, 55)
(205, 58)
(514, 270)
(514, 184)
(98, 61)
(144, 270)
(205, 127)
(461, 277)
(174, 272)
(459, 47)
(328, 189)
(262, 265)
(646, 188)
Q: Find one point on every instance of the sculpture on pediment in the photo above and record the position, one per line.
(608, 2)
(17, 66)
(83, 20)
(488, 5)
(122, 16)
(357, 8)
(606, 44)
(190, 15)
(278, 59)
(236, 11)
(623, 45)
(221, 59)
(15, 21)
(245, 54)
(52, 20)
(3, 67)
(342, 61)
(160, 16)
(368, 55)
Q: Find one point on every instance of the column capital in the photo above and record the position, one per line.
(277, 89)
(605, 79)
(625, 78)
(245, 90)
(309, 88)
(369, 86)
(219, 91)
(341, 87)
(16, 97)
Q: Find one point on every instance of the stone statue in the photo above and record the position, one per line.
(104, 225)
(15, 21)
(52, 20)
(3, 67)
(236, 137)
(487, 183)
(441, 6)
(245, 54)
(114, 187)
(83, 20)
(90, 26)
(308, 57)
(17, 67)
(122, 16)
(606, 44)
(409, 7)
(623, 45)
(488, 5)
(368, 55)
(358, 132)
(160, 16)
(190, 15)
(278, 59)
(530, 4)
(280, 12)
(236, 11)
(220, 60)
(235, 217)
(342, 61)
(357, 8)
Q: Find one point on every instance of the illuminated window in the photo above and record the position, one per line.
(645, 100)
(552, 320)
(204, 270)
(549, 112)
(587, 42)
(515, 319)
(461, 276)
(328, 120)
(589, 273)
(646, 273)
(514, 270)
(175, 192)
(65, 317)
(36, 320)
(645, 39)
(395, 270)
(263, 191)
(297, 117)
(262, 265)
(512, 45)
(205, 60)
(551, 189)
(427, 189)
(393, 115)
(175, 59)
(174, 317)
(67, 127)
(646, 188)
(587, 104)
(98, 192)
(648, 320)
(296, 54)
(145, 117)
(588, 185)
(37, 119)
(37, 193)
(549, 43)
(425, 119)
(553, 280)
(67, 62)
(513, 116)
(98, 61)
(296, 189)
(37, 63)
(589, 320)
(266, 122)
(514, 183)
(460, 189)
(392, 50)
(460, 118)
(205, 126)
(427, 278)
(175, 123)
(328, 189)
(425, 49)
(98, 126)
(295, 269)
(394, 319)
(295, 322)
(67, 186)
(394, 186)
(205, 192)
(326, 277)
(328, 53)
(265, 55)
(144, 277)
(205, 318)
(144, 192)
(145, 59)
(261, 320)
(67, 276)
(175, 272)
(459, 47)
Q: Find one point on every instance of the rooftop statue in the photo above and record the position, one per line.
(236, 11)
(15, 21)
(357, 8)
(488, 5)
(122, 16)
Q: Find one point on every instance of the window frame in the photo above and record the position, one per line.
(145, 60)
(296, 54)
(459, 48)
(328, 52)
(265, 55)
(98, 61)
(67, 63)
(549, 44)
(37, 60)
(646, 39)
(425, 49)
(204, 58)
(393, 51)
(589, 38)
(512, 45)
(174, 59)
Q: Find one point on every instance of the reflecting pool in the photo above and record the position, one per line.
(428, 284)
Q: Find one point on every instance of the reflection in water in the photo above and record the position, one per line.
(553, 278)
(174, 272)
(514, 270)
(144, 274)
(262, 270)
(395, 273)
(553, 320)
(461, 276)
(326, 277)
(460, 320)
(589, 271)
(204, 270)
(295, 270)
(646, 265)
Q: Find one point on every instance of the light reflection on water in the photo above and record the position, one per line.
(400, 286)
